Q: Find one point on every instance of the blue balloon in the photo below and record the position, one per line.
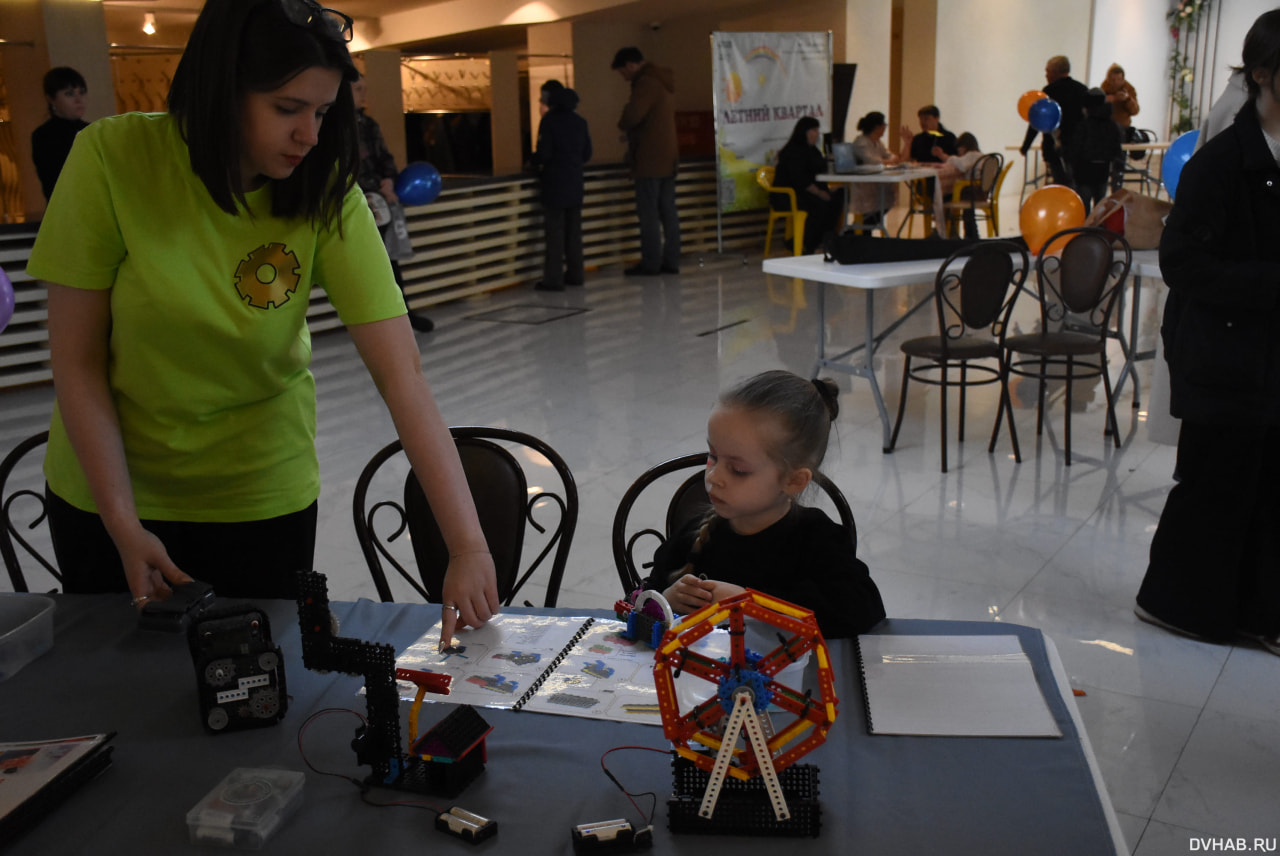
(1045, 115)
(418, 184)
(1175, 158)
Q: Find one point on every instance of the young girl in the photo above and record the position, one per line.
(956, 167)
(183, 436)
(765, 440)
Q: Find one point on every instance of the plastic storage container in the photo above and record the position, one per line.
(26, 630)
(246, 807)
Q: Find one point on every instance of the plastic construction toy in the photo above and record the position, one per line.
(444, 760)
(648, 615)
(746, 782)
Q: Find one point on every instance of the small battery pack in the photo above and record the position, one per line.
(611, 836)
(466, 825)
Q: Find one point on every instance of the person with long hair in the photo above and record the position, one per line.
(800, 162)
(179, 274)
(1214, 572)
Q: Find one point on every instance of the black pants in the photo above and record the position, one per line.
(1215, 557)
(257, 558)
(824, 216)
(562, 258)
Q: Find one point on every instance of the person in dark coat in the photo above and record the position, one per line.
(564, 147)
(800, 162)
(1214, 572)
(1072, 96)
(1095, 151)
(64, 90)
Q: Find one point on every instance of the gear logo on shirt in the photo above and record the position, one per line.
(268, 277)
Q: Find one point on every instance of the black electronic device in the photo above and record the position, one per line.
(174, 613)
(239, 670)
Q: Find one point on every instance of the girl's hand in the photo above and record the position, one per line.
(471, 589)
(723, 591)
(147, 567)
(689, 594)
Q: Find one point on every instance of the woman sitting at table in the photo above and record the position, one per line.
(872, 201)
(958, 166)
(799, 164)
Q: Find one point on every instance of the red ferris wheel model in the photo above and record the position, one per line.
(746, 689)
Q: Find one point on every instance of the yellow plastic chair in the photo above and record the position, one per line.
(793, 219)
(988, 209)
(920, 202)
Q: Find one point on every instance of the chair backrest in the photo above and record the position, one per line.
(764, 178)
(995, 190)
(1081, 271)
(688, 501)
(985, 172)
(506, 507)
(29, 495)
(976, 287)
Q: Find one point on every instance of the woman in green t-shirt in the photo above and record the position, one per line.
(180, 249)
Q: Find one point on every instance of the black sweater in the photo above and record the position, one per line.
(804, 558)
(50, 145)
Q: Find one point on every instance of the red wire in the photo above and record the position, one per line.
(630, 796)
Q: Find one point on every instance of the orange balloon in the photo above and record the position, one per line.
(1025, 102)
(1048, 211)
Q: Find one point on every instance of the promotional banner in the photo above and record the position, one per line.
(764, 82)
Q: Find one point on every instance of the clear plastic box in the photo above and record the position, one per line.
(26, 629)
(246, 807)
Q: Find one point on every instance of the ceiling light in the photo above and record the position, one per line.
(149, 23)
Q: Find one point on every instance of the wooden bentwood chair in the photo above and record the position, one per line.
(974, 294)
(1085, 280)
(689, 501)
(503, 501)
(30, 493)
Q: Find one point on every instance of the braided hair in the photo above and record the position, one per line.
(806, 410)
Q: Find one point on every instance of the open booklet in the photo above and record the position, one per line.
(569, 665)
(36, 776)
(975, 686)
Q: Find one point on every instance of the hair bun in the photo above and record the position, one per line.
(830, 395)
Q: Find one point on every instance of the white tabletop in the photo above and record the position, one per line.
(889, 176)
(1146, 263)
(877, 275)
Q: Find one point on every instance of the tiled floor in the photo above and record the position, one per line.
(1187, 735)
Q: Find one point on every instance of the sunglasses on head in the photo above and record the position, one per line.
(305, 13)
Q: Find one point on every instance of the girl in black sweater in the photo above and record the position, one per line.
(766, 438)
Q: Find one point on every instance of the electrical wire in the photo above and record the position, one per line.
(653, 808)
(364, 786)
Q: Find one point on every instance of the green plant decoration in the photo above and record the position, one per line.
(1183, 20)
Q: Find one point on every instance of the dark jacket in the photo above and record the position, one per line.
(1072, 97)
(650, 122)
(50, 145)
(1095, 144)
(1220, 257)
(564, 147)
(922, 145)
(798, 167)
(805, 558)
(376, 161)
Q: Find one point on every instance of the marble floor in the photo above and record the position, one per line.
(621, 375)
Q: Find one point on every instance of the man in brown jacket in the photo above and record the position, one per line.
(649, 120)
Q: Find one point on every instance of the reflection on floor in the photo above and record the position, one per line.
(1186, 733)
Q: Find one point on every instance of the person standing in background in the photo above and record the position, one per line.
(564, 147)
(377, 174)
(1071, 95)
(1122, 97)
(65, 90)
(653, 153)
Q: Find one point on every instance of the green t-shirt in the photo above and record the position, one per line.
(209, 346)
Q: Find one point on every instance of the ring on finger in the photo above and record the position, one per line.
(140, 599)
(451, 606)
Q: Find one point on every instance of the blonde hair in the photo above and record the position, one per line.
(804, 408)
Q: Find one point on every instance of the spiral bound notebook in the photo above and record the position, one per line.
(37, 776)
(568, 665)
(960, 686)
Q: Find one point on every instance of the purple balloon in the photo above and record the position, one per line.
(6, 300)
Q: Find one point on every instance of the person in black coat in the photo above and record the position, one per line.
(800, 162)
(65, 91)
(1072, 96)
(1095, 151)
(564, 147)
(1214, 572)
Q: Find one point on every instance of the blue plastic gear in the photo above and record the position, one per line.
(746, 676)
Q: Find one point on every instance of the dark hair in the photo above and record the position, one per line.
(870, 122)
(1059, 63)
(929, 110)
(806, 409)
(800, 133)
(969, 141)
(626, 55)
(60, 78)
(552, 86)
(1261, 50)
(239, 47)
